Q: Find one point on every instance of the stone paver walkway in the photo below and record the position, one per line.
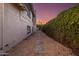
(39, 44)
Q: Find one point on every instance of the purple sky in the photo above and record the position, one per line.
(48, 11)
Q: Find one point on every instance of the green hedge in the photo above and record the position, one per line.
(65, 27)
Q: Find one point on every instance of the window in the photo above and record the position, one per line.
(28, 29)
(28, 14)
(23, 15)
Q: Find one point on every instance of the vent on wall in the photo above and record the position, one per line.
(1, 48)
(6, 45)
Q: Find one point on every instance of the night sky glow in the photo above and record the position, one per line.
(48, 11)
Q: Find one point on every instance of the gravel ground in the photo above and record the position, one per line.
(39, 44)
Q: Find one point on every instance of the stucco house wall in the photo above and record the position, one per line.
(15, 24)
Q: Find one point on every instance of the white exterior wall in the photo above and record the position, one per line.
(14, 26)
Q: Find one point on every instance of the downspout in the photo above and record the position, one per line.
(2, 53)
(2, 27)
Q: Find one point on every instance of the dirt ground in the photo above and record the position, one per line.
(39, 44)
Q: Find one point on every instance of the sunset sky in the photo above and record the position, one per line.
(48, 11)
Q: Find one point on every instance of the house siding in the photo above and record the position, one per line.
(14, 26)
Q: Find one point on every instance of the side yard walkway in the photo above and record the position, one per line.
(39, 44)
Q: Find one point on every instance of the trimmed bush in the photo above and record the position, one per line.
(65, 27)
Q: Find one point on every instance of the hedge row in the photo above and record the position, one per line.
(65, 27)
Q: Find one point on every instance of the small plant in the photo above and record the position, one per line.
(40, 27)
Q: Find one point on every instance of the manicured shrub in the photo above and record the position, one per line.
(65, 27)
